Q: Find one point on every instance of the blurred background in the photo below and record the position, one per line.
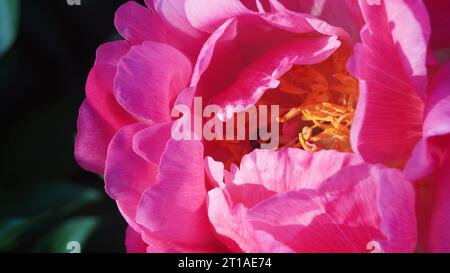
(47, 48)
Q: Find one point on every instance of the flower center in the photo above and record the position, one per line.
(327, 95)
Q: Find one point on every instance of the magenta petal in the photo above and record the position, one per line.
(100, 115)
(91, 143)
(438, 236)
(440, 23)
(146, 83)
(138, 24)
(424, 160)
(108, 56)
(133, 242)
(150, 143)
(437, 116)
(174, 209)
(359, 206)
(263, 74)
(344, 14)
(433, 206)
(223, 33)
(127, 175)
(156, 245)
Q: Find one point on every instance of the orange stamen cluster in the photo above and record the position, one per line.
(327, 95)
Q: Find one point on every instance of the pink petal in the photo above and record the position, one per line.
(430, 160)
(291, 169)
(358, 206)
(173, 13)
(208, 15)
(403, 27)
(133, 242)
(428, 153)
(127, 175)
(138, 24)
(174, 209)
(100, 115)
(388, 119)
(396, 204)
(238, 233)
(215, 172)
(247, 194)
(146, 83)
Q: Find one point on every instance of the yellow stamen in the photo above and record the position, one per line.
(327, 104)
(290, 115)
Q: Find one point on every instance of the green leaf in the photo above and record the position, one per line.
(55, 198)
(9, 20)
(29, 211)
(69, 237)
(10, 231)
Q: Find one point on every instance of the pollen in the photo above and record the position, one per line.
(327, 95)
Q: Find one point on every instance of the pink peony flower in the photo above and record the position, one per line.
(362, 151)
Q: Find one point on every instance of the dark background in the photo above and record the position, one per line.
(46, 199)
